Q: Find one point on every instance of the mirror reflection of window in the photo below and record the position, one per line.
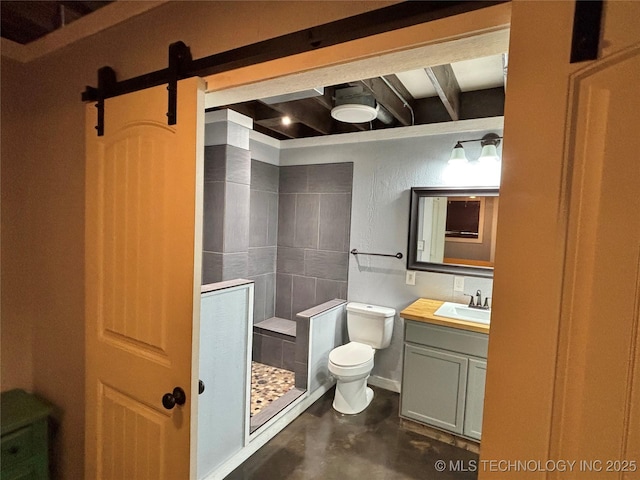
(473, 231)
(465, 218)
(453, 230)
(431, 229)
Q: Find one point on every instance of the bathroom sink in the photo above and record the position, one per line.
(459, 311)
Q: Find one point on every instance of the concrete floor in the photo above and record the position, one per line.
(323, 444)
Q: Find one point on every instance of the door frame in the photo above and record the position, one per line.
(471, 35)
(466, 36)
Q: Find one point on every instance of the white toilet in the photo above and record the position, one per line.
(369, 329)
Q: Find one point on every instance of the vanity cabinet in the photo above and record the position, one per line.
(443, 377)
(476, 378)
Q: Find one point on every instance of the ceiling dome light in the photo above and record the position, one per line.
(286, 120)
(354, 113)
(457, 155)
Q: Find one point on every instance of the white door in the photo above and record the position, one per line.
(563, 378)
(599, 373)
(143, 258)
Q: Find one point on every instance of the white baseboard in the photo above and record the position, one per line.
(387, 384)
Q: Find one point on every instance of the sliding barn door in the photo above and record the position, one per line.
(143, 257)
(563, 377)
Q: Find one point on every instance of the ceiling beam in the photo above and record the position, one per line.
(446, 84)
(385, 96)
(308, 112)
(326, 99)
(268, 119)
(275, 126)
(293, 130)
(41, 14)
(23, 22)
(475, 104)
(82, 8)
(268, 132)
(400, 88)
(243, 108)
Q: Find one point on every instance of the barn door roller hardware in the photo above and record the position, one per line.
(587, 20)
(179, 61)
(181, 65)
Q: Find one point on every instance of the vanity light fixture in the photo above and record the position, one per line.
(457, 155)
(489, 153)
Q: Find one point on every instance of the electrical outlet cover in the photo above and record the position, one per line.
(411, 277)
(458, 284)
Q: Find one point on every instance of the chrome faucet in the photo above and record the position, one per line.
(478, 301)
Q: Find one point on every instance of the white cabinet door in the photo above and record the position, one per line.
(434, 387)
(475, 398)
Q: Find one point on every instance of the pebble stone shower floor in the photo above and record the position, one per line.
(268, 384)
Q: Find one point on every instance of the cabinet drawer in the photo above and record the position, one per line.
(25, 471)
(447, 338)
(17, 446)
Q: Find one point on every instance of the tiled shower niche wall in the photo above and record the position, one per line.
(314, 218)
(297, 241)
(263, 237)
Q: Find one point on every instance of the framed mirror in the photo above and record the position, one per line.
(453, 230)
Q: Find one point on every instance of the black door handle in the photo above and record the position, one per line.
(200, 387)
(170, 400)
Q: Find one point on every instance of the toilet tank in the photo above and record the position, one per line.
(370, 324)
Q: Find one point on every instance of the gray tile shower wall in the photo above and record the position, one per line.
(285, 228)
(314, 218)
(227, 173)
(263, 234)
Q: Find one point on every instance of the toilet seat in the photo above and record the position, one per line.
(352, 354)
(351, 359)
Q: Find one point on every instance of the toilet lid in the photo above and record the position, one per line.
(351, 354)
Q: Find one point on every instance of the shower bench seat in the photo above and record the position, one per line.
(274, 342)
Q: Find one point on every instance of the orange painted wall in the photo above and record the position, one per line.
(43, 183)
(15, 272)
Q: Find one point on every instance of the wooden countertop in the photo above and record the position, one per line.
(422, 310)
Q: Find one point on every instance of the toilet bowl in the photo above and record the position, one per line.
(351, 365)
(370, 328)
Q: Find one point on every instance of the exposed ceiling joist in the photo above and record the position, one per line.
(471, 88)
(385, 96)
(26, 21)
(81, 7)
(294, 130)
(399, 87)
(446, 84)
(326, 99)
(304, 118)
(307, 112)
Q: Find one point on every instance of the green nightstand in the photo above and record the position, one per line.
(25, 450)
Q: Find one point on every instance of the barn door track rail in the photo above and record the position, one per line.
(181, 65)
